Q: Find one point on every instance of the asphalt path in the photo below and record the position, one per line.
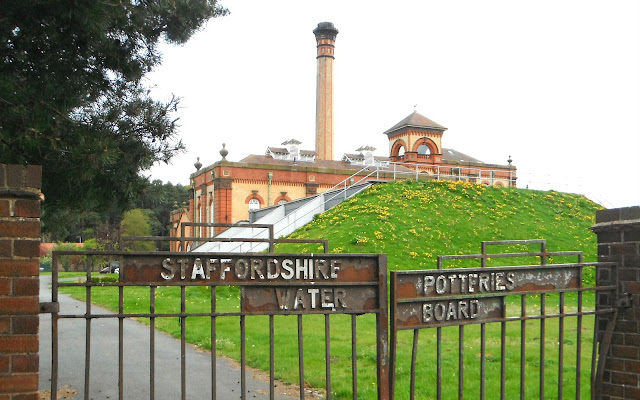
(103, 382)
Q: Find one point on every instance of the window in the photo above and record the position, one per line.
(254, 204)
(424, 149)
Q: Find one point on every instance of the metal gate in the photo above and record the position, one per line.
(268, 286)
(537, 317)
(525, 331)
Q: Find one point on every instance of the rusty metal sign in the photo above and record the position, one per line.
(280, 284)
(471, 295)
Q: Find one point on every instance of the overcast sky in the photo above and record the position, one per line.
(553, 84)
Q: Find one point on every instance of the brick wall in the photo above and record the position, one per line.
(19, 285)
(618, 233)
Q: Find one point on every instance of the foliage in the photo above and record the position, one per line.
(45, 264)
(136, 223)
(161, 199)
(69, 262)
(72, 97)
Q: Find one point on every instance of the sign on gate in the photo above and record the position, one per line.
(279, 284)
(471, 295)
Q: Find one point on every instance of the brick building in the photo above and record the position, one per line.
(225, 191)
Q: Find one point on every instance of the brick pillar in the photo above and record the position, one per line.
(19, 280)
(618, 233)
(222, 202)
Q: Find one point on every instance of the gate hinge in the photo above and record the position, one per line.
(625, 301)
(49, 308)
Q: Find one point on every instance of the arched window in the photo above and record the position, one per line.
(398, 148)
(254, 204)
(424, 149)
(282, 201)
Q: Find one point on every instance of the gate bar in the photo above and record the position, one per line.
(272, 368)
(523, 341)
(461, 362)
(214, 344)
(483, 358)
(414, 353)
(55, 316)
(121, 340)
(543, 312)
(327, 354)
(300, 357)
(503, 354)
(152, 342)
(183, 343)
(87, 344)
(354, 359)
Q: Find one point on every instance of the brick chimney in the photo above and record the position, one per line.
(325, 37)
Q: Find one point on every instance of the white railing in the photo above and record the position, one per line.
(284, 224)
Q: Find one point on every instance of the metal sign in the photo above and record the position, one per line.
(470, 295)
(280, 284)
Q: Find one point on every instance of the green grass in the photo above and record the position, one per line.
(413, 223)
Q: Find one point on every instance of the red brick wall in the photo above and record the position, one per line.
(222, 202)
(19, 285)
(618, 233)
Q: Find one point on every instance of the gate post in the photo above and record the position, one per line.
(19, 281)
(618, 233)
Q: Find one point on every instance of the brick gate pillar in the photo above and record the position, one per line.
(19, 280)
(618, 233)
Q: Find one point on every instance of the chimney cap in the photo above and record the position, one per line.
(325, 30)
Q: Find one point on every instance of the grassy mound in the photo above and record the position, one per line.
(414, 222)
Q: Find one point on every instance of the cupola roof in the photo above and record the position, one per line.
(416, 120)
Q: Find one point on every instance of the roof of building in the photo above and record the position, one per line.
(282, 150)
(360, 156)
(416, 120)
(266, 159)
(323, 164)
(451, 155)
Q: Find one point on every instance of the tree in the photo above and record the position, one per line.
(160, 199)
(136, 223)
(72, 97)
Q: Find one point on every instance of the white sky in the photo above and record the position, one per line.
(553, 84)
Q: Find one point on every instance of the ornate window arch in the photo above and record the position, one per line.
(425, 146)
(398, 148)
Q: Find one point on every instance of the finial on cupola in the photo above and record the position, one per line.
(224, 152)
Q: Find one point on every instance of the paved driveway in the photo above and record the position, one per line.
(104, 360)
